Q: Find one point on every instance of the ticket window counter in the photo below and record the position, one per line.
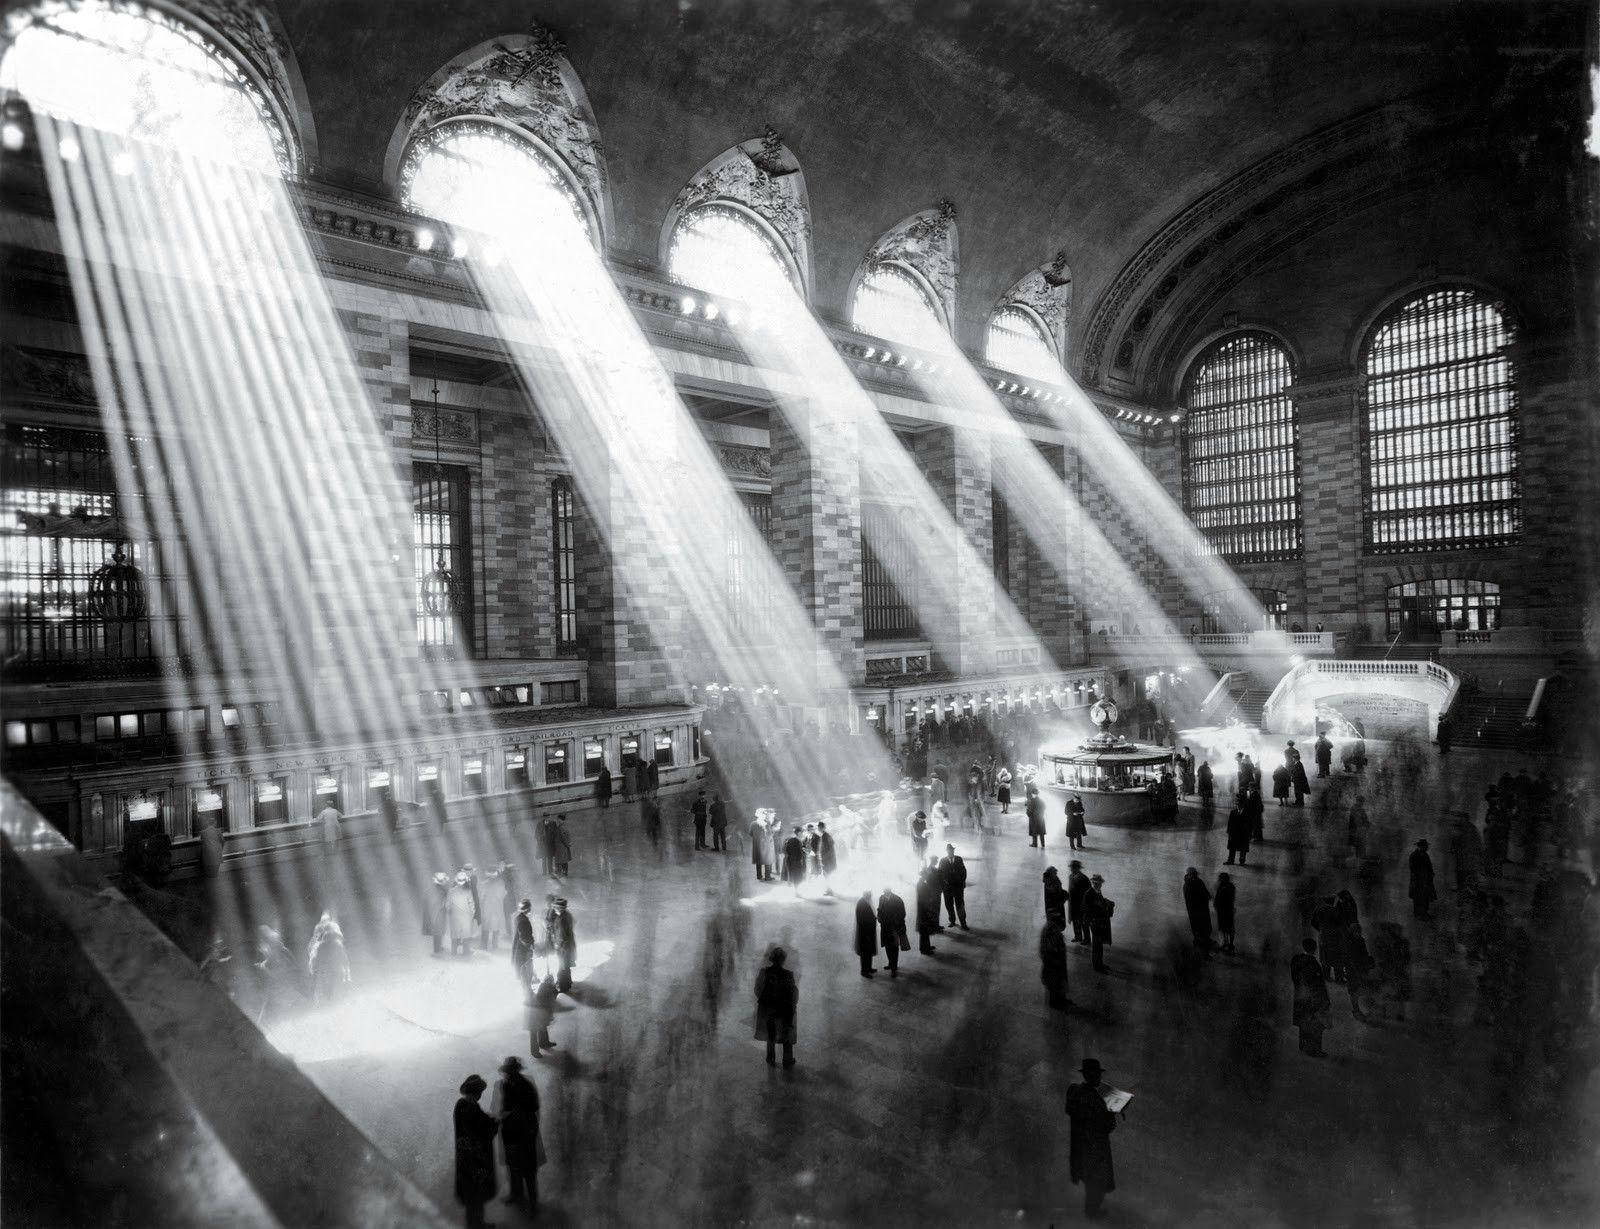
(327, 790)
(556, 769)
(516, 769)
(147, 808)
(210, 806)
(271, 800)
(430, 790)
(663, 749)
(628, 752)
(474, 780)
(594, 758)
(380, 794)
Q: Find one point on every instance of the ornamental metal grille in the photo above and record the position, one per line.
(888, 570)
(1424, 608)
(440, 526)
(749, 596)
(1439, 438)
(1000, 541)
(1241, 454)
(564, 554)
(62, 522)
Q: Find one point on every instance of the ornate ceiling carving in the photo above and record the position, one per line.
(929, 242)
(1047, 292)
(756, 174)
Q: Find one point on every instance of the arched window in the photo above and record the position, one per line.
(1424, 608)
(1440, 427)
(1241, 463)
(1018, 343)
(891, 303)
(564, 556)
(132, 71)
(724, 251)
(488, 177)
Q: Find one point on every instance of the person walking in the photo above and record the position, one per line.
(1197, 901)
(953, 883)
(777, 998)
(1297, 778)
(866, 933)
(1089, 1154)
(1077, 888)
(327, 961)
(515, 1105)
(566, 944)
(1097, 911)
(700, 809)
(1310, 998)
(1034, 809)
(1324, 755)
(919, 837)
(1256, 809)
(892, 928)
(1358, 964)
(602, 787)
(927, 909)
(794, 860)
(718, 813)
(475, 1132)
(1238, 834)
(761, 849)
(541, 1010)
(827, 856)
(522, 942)
(1222, 898)
(1053, 963)
(1077, 829)
(650, 813)
(1423, 893)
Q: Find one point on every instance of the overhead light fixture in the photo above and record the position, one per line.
(871, 352)
(711, 311)
(69, 149)
(686, 305)
(1174, 417)
(901, 361)
(12, 137)
(425, 240)
(734, 319)
(458, 248)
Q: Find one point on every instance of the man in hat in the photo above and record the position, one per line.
(866, 933)
(566, 945)
(1423, 893)
(515, 1105)
(776, 999)
(718, 813)
(475, 1132)
(1089, 1157)
(522, 941)
(1077, 887)
(1097, 919)
(892, 928)
(700, 809)
(953, 884)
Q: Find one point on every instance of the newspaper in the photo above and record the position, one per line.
(1115, 1098)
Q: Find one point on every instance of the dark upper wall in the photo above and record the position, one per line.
(1051, 123)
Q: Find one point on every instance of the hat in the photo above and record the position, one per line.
(561, 902)
(512, 1063)
(1091, 1066)
(1074, 865)
(440, 879)
(1422, 844)
(524, 905)
(472, 1086)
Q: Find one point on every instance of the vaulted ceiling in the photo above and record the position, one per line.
(1052, 124)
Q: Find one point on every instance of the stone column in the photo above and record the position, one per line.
(959, 467)
(1331, 503)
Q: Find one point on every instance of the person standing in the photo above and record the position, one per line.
(777, 997)
(794, 860)
(1055, 896)
(1310, 999)
(1186, 780)
(652, 773)
(1003, 790)
(1324, 755)
(545, 834)
(602, 787)
(1423, 893)
(1077, 829)
(541, 1011)
(927, 909)
(1256, 809)
(1205, 784)
(475, 1132)
(566, 943)
(761, 849)
(1077, 889)
(522, 942)
(700, 809)
(866, 933)
(1297, 778)
(330, 822)
(1053, 963)
(1238, 834)
(630, 781)
(892, 928)
(437, 922)
(1035, 812)
(1089, 1156)
(718, 812)
(462, 914)
(1280, 784)
(650, 812)
(1197, 901)
(827, 857)
(1222, 898)
(515, 1105)
(953, 883)
(1097, 911)
(561, 846)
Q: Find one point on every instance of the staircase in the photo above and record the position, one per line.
(1245, 704)
(1490, 719)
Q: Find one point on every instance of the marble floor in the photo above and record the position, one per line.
(936, 1099)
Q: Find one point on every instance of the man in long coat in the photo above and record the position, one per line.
(953, 884)
(475, 1132)
(1077, 889)
(892, 928)
(718, 813)
(777, 997)
(927, 909)
(1423, 893)
(461, 913)
(522, 943)
(1035, 812)
(1089, 1157)
(602, 787)
(1197, 901)
(794, 860)
(1324, 754)
(1310, 998)
(1297, 778)
(1239, 832)
(1053, 963)
(516, 1105)
(761, 848)
(1097, 919)
(566, 944)
(866, 944)
(1077, 829)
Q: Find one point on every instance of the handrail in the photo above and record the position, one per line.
(1288, 686)
(1531, 717)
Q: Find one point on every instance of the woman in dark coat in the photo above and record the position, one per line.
(1280, 784)
(602, 787)
(927, 908)
(1222, 900)
(1055, 896)
(1197, 901)
(475, 1132)
(1238, 834)
(866, 944)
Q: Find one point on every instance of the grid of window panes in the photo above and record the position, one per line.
(891, 303)
(749, 596)
(888, 567)
(61, 521)
(564, 552)
(440, 531)
(1441, 426)
(723, 251)
(1274, 605)
(1428, 607)
(1000, 540)
(1241, 465)
(1017, 343)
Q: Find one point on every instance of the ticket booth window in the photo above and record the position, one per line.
(210, 804)
(516, 768)
(430, 790)
(271, 801)
(594, 757)
(629, 750)
(694, 743)
(145, 807)
(472, 775)
(327, 790)
(664, 749)
(555, 763)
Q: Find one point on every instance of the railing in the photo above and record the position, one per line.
(1511, 640)
(1221, 643)
(1294, 686)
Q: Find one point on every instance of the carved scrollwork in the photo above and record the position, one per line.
(779, 200)
(740, 459)
(929, 243)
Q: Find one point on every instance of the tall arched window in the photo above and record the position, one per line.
(1017, 343)
(488, 177)
(891, 303)
(1440, 425)
(564, 556)
(1241, 457)
(724, 251)
(134, 71)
